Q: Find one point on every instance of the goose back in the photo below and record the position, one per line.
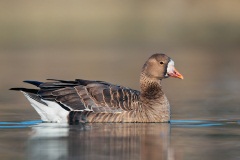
(96, 96)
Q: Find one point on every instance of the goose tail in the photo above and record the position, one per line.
(49, 111)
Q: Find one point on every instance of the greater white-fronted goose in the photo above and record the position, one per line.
(99, 101)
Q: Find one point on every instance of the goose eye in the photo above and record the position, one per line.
(161, 62)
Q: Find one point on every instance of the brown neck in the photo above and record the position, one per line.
(151, 88)
(153, 100)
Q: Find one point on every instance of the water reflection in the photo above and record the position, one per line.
(180, 139)
(100, 141)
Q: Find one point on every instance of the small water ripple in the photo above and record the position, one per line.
(203, 123)
(21, 124)
(174, 123)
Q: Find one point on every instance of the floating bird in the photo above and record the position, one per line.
(81, 101)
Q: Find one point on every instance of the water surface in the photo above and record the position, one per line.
(178, 140)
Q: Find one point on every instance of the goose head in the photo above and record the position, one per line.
(160, 66)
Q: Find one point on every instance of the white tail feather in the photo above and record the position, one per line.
(52, 112)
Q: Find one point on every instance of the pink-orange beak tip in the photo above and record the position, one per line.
(181, 77)
(178, 75)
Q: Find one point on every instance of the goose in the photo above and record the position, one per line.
(81, 101)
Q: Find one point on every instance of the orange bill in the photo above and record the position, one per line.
(175, 74)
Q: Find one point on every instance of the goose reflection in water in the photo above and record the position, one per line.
(101, 141)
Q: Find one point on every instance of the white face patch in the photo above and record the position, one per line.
(170, 67)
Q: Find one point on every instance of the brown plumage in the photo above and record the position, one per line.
(99, 101)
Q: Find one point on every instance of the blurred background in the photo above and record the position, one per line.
(110, 41)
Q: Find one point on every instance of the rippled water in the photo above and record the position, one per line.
(178, 140)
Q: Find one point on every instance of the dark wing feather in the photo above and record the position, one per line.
(32, 93)
(97, 96)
